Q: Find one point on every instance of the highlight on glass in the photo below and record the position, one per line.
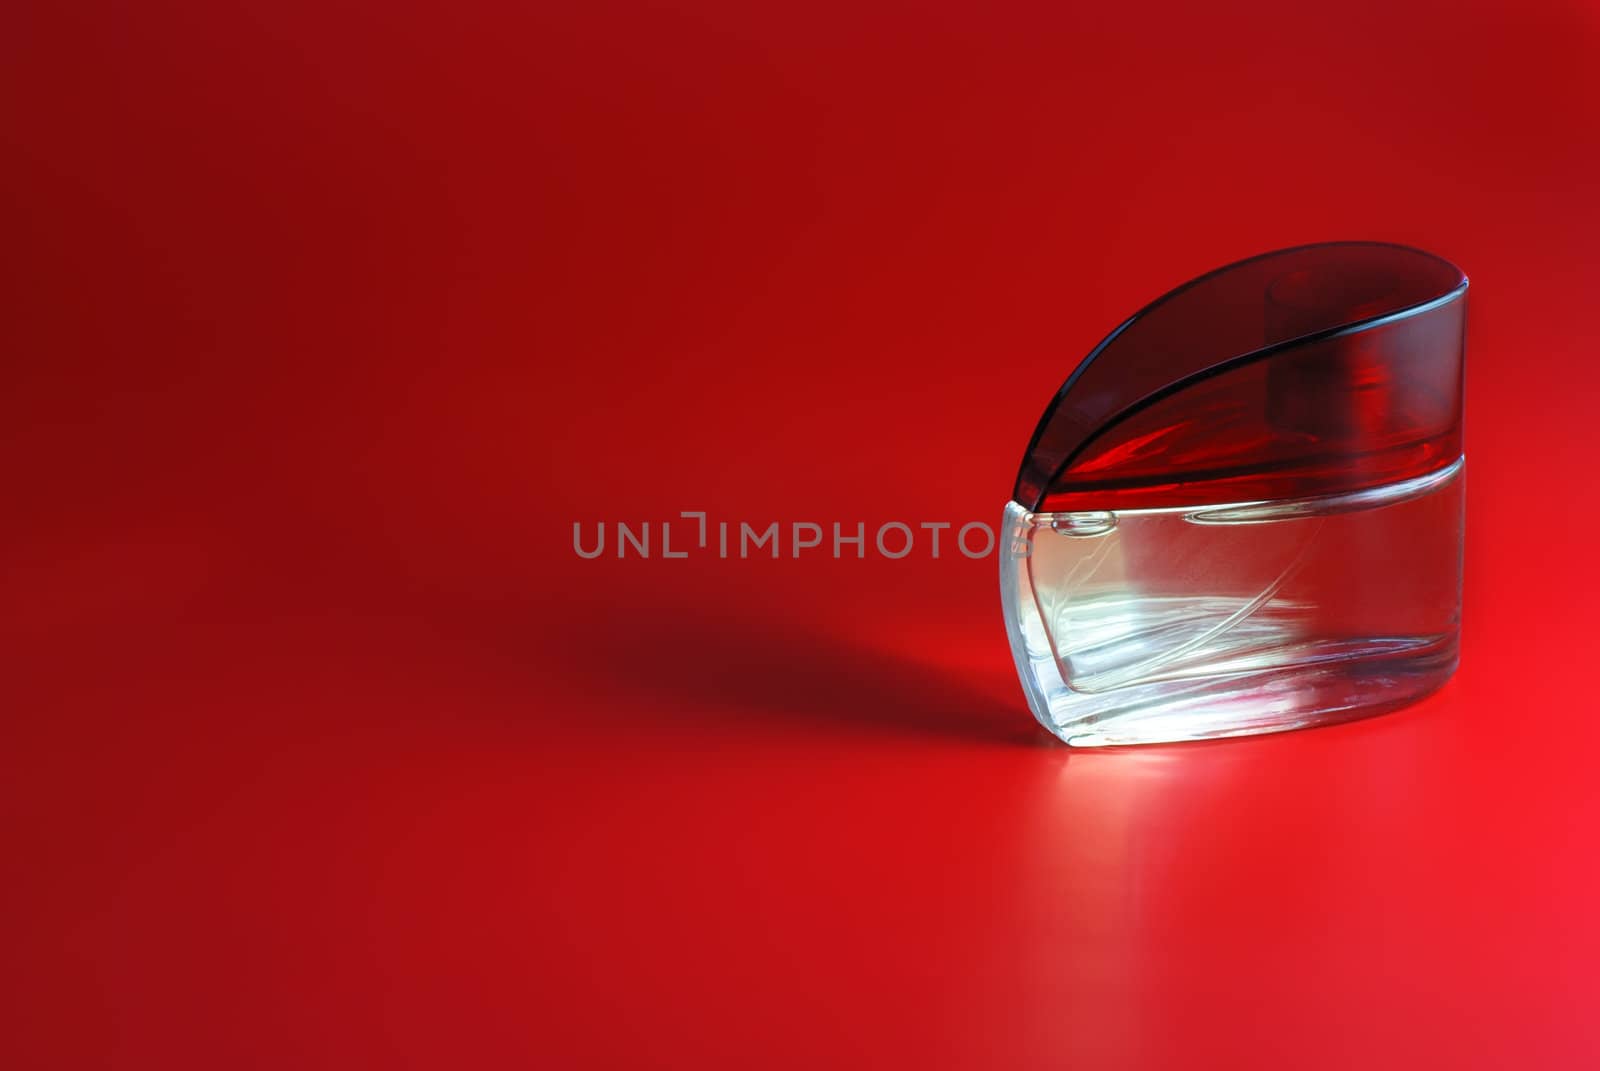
(1242, 512)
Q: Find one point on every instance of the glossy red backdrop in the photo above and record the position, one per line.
(323, 323)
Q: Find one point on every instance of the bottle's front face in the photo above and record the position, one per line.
(1185, 623)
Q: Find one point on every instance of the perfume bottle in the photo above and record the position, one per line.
(1242, 512)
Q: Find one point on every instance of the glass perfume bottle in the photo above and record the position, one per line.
(1242, 513)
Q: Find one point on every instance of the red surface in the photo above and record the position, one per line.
(322, 749)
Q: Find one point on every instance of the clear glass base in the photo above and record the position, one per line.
(1141, 626)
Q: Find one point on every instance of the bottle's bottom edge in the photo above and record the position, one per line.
(1251, 703)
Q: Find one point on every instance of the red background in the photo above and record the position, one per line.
(324, 321)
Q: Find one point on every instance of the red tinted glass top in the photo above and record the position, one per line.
(1313, 370)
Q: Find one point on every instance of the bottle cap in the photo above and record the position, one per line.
(1309, 371)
